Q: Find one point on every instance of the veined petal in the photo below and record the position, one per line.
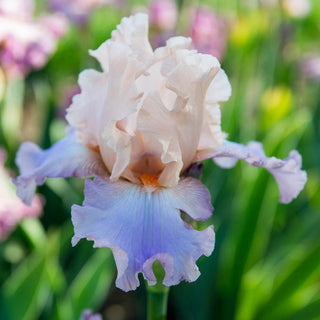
(288, 174)
(66, 158)
(141, 226)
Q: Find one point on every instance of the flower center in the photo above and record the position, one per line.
(150, 180)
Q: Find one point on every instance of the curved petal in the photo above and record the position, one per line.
(68, 157)
(155, 121)
(288, 174)
(189, 75)
(211, 137)
(133, 32)
(120, 142)
(178, 129)
(141, 226)
(79, 114)
(219, 89)
(172, 44)
(106, 96)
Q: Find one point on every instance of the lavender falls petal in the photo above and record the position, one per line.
(66, 158)
(142, 225)
(287, 172)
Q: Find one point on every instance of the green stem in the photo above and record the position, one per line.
(157, 302)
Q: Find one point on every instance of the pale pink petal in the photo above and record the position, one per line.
(79, 115)
(219, 89)
(211, 137)
(116, 99)
(288, 174)
(120, 143)
(133, 32)
(154, 120)
(172, 44)
(66, 158)
(178, 128)
(141, 226)
(101, 54)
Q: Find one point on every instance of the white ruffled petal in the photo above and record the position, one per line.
(79, 114)
(219, 89)
(133, 32)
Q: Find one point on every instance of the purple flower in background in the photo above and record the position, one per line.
(12, 209)
(137, 126)
(77, 10)
(163, 15)
(310, 67)
(87, 315)
(208, 32)
(25, 42)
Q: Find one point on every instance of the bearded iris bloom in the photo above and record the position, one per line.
(137, 126)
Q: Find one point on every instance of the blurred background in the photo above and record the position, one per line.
(266, 264)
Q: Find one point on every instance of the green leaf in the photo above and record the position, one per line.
(90, 286)
(309, 312)
(34, 232)
(25, 292)
(291, 284)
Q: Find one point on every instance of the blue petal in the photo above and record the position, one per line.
(141, 226)
(68, 157)
(287, 172)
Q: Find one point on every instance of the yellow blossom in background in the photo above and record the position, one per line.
(247, 27)
(276, 103)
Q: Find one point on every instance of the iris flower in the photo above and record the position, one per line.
(27, 42)
(137, 126)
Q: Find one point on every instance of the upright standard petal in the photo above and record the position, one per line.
(178, 129)
(66, 158)
(133, 32)
(143, 224)
(288, 174)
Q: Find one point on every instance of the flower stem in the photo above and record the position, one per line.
(157, 295)
(157, 302)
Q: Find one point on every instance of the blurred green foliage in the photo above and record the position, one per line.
(266, 264)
